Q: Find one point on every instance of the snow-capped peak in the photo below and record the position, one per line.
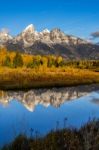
(4, 36)
(45, 31)
(30, 28)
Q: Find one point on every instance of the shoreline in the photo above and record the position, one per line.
(14, 88)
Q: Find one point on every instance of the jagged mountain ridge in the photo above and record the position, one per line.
(48, 42)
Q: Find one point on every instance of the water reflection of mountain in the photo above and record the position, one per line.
(55, 96)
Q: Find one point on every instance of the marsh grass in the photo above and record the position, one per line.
(85, 138)
(23, 78)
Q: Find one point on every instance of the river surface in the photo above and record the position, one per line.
(36, 112)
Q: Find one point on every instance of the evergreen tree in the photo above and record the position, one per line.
(7, 61)
(18, 61)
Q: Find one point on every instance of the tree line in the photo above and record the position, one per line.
(14, 60)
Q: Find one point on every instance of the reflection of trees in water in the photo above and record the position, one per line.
(55, 96)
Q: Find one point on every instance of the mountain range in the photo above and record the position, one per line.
(54, 42)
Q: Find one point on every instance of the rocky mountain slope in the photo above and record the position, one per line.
(50, 42)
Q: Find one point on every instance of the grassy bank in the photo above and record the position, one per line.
(86, 138)
(23, 71)
(23, 78)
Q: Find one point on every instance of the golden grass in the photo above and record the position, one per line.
(23, 78)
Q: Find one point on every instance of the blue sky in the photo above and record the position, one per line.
(77, 17)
